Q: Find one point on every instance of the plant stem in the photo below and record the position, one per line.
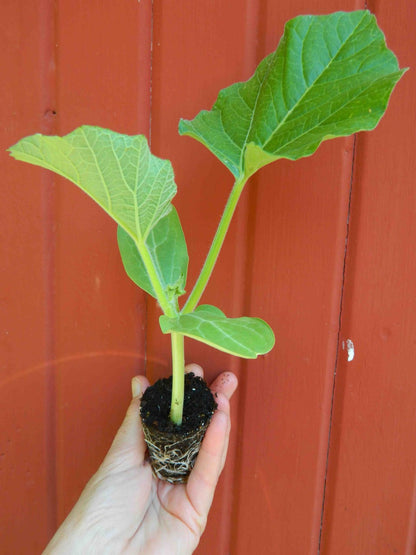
(177, 339)
(163, 300)
(178, 378)
(216, 245)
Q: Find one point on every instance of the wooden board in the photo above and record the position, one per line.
(26, 472)
(99, 315)
(296, 262)
(371, 498)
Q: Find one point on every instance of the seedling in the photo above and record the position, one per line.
(330, 76)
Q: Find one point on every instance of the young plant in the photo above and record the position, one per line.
(330, 76)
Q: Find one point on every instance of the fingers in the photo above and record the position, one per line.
(224, 386)
(195, 368)
(210, 461)
(138, 386)
(204, 476)
(129, 438)
(226, 383)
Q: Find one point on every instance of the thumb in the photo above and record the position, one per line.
(129, 440)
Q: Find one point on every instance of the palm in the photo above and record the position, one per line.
(147, 514)
(170, 520)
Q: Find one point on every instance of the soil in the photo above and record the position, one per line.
(199, 405)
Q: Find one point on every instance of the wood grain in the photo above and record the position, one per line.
(370, 501)
(25, 483)
(99, 314)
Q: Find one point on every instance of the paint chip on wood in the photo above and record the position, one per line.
(349, 345)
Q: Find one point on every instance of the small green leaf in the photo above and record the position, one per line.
(117, 171)
(244, 337)
(330, 76)
(167, 247)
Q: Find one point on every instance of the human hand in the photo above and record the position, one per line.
(125, 509)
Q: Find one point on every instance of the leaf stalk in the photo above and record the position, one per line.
(168, 308)
(216, 245)
(177, 339)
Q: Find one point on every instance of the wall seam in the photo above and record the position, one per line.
(47, 13)
(151, 72)
(338, 341)
(146, 297)
(244, 255)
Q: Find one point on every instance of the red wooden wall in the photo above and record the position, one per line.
(323, 451)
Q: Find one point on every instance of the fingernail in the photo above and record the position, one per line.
(136, 387)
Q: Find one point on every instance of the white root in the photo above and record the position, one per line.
(173, 456)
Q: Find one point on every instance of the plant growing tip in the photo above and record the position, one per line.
(330, 76)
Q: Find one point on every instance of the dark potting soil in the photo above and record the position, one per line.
(199, 405)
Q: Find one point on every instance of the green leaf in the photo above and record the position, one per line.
(244, 337)
(330, 76)
(117, 171)
(167, 247)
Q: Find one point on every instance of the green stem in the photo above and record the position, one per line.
(170, 309)
(178, 378)
(161, 296)
(217, 242)
(177, 339)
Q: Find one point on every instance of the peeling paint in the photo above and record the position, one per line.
(349, 345)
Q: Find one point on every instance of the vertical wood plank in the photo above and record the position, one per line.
(24, 481)
(199, 49)
(47, 37)
(104, 71)
(372, 466)
(296, 282)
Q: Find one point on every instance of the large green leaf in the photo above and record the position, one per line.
(167, 247)
(117, 171)
(330, 76)
(244, 337)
